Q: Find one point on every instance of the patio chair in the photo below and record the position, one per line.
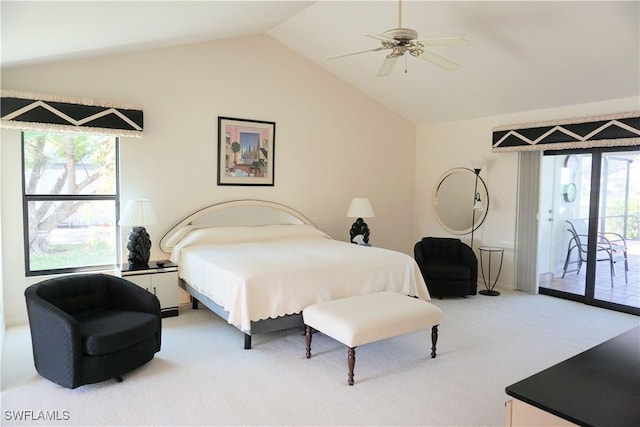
(610, 246)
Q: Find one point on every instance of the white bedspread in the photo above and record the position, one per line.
(276, 276)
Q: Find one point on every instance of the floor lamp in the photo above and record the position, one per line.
(477, 202)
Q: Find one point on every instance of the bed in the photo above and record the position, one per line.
(258, 264)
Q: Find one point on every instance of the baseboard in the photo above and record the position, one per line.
(17, 321)
(3, 330)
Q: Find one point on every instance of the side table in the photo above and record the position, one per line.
(489, 252)
(160, 278)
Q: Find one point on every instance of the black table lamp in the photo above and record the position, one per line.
(360, 208)
(138, 214)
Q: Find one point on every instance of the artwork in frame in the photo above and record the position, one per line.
(245, 151)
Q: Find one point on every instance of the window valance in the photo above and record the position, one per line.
(619, 129)
(29, 111)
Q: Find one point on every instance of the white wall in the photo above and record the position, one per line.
(443, 146)
(332, 142)
(2, 321)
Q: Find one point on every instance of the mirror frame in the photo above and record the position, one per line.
(481, 185)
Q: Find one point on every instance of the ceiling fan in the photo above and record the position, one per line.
(403, 41)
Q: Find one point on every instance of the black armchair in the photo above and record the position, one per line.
(448, 266)
(91, 327)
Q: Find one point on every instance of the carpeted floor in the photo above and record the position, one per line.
(203, 376)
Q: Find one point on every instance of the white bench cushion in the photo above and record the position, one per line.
(368, 318)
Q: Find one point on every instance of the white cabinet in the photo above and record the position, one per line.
(521, 414)
(162, 281)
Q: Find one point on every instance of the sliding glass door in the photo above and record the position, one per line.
(618, 228)
(589, 242)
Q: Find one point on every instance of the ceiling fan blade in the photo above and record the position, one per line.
(342, 55)
(387, 66)
(383, 38)
(438, 60)
(444, 41)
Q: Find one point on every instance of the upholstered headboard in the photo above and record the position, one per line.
(235, 213)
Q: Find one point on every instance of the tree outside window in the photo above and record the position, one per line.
(70, 201)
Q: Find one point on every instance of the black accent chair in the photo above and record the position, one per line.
(448, 266)
(89, 328)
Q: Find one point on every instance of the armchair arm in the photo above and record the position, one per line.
(602, 244)
(616, 240)
(56, 341)
(614, 243)
(582, 241)
(418, 255)
(468, 257)
(129, 296)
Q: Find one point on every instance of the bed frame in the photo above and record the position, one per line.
(236, 213)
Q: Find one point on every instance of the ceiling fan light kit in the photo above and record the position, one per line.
(405, 40)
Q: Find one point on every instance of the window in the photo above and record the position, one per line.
(70, 201)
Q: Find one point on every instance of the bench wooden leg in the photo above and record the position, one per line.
(351, 361)
(434, 340)
(307, 333)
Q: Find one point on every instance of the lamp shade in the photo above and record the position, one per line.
(476, 165)
(138, 213)
(360, 208)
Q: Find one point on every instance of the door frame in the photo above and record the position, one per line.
(594, 217)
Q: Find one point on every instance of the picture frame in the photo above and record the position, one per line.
(246, 151)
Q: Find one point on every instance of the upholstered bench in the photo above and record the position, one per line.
(368, 318)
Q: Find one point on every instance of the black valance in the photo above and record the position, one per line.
(28, 111)
(620, 129)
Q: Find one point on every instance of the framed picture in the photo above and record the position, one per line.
(245, 151)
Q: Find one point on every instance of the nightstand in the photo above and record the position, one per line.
(160, 280)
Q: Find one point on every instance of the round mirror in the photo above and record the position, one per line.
(459, 208)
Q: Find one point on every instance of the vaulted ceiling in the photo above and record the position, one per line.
(521, 55)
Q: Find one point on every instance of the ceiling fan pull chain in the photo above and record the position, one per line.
(405, 63)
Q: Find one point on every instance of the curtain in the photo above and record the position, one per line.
(526, 256)
(39, 112)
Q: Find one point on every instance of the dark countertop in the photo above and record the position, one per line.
(599, 387)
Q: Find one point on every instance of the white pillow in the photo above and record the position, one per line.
(173, 240)
(244, 234)
(238, 234)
